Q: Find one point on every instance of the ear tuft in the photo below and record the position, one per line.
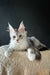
(11, 29)
(21, 27)
(21, 23)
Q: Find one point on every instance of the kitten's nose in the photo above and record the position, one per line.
(17, 40)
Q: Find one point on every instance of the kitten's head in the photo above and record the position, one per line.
(19, 34)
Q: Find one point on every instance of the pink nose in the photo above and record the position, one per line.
(17, 40)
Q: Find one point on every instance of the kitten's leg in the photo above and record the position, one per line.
(8, 52)
(33, 54)
(38, 54)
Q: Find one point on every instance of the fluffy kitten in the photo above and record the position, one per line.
(20, 41)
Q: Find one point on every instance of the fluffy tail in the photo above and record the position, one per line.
(40, 46)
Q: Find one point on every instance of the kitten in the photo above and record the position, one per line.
(20, 41)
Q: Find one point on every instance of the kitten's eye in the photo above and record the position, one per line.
(14, 36)
(20, 35)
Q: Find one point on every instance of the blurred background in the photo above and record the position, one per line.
(35, 15)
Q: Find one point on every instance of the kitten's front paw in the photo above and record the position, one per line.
(7, 53)
(31, 55)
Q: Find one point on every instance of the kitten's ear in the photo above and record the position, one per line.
(21, 27)
(11, 29)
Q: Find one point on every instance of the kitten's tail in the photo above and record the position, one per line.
(40, 46)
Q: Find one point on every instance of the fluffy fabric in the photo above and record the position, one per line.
(19, 64)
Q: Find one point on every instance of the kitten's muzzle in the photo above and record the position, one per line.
(17, 40)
